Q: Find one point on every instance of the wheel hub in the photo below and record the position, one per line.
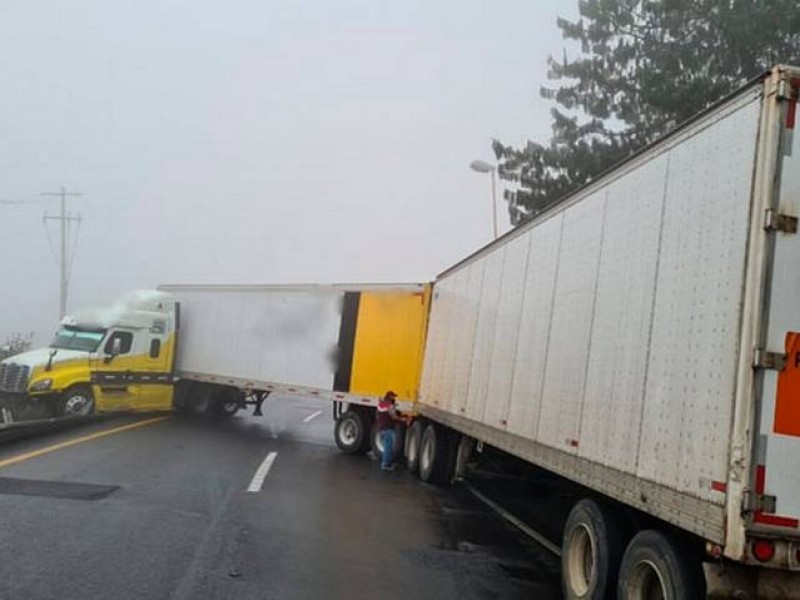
(348, 432)
(76, 404)
(580, 559)
(647, 582)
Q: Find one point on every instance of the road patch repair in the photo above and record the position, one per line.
(55, 489)
(69, 490)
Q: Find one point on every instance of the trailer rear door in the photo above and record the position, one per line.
(778, 446)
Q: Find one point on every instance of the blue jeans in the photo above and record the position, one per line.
(387, 439)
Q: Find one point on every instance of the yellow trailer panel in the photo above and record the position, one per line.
(389, 342)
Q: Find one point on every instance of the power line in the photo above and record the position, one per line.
(64, 262)
(19, 202)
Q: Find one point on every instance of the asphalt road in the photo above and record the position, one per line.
(161, 510)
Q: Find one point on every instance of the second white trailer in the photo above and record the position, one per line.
(641, 339)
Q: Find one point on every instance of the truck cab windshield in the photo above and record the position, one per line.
(75, 339)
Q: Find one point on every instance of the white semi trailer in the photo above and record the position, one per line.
(642, 340)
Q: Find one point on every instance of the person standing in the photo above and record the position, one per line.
(385, 421)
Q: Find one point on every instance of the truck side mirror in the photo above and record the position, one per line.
(116, 350)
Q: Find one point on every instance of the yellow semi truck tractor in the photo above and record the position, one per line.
(119, 358)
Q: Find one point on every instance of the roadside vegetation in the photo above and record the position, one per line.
(16, 343)
(642, 68)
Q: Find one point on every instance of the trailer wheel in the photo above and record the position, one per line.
(412, 446)
(463, 454)
(77, 401)
(435, 455)
(656, 566)
(350, 432)
(200, 401)
(592, 549)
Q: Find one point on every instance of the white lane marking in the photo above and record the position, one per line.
(313, 415)
(516, 522)
(261, 473)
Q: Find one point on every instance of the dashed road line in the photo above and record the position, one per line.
(313, 415)
(261, 473)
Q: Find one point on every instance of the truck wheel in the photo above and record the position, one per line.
(227, 402)
(435, 455)
(77, 402)
(655, 566)
(351, 432)
(592, 549)
(412, 446)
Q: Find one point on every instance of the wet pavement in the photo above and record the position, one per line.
(162, 511)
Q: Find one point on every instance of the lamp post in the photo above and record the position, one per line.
(480, 166)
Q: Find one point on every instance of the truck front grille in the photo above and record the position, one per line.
(13, 378)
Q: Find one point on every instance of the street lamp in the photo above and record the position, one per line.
(480, 166)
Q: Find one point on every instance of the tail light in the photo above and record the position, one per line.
(764, 550)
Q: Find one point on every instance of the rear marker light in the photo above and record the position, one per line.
(763, 550)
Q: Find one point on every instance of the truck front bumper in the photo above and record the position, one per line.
(16, 407)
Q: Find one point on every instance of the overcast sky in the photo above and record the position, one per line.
(256, 141)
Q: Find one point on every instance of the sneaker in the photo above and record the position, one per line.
(389, 468)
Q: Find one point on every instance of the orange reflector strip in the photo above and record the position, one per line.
(787, 398)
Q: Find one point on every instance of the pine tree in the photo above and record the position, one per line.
(644, 67)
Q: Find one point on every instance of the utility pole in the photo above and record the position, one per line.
(64, 261)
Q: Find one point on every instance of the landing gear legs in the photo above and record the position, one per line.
(259, 400)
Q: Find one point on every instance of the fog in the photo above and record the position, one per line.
(255, 142)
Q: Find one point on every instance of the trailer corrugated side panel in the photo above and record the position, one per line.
(512, 288)
(628, 325)
(692, 367)
(617, 365)
(530, 358)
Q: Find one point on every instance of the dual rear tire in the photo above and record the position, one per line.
(437, 452)
(657, 565)
(412, 445)
(596, 563)
(591, 551)
(202, 399)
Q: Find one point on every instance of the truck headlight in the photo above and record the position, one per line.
(42, 385)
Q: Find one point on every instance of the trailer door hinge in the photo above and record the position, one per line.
(784, 90)
(775, 221)
(752, 502)
(762, 359)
